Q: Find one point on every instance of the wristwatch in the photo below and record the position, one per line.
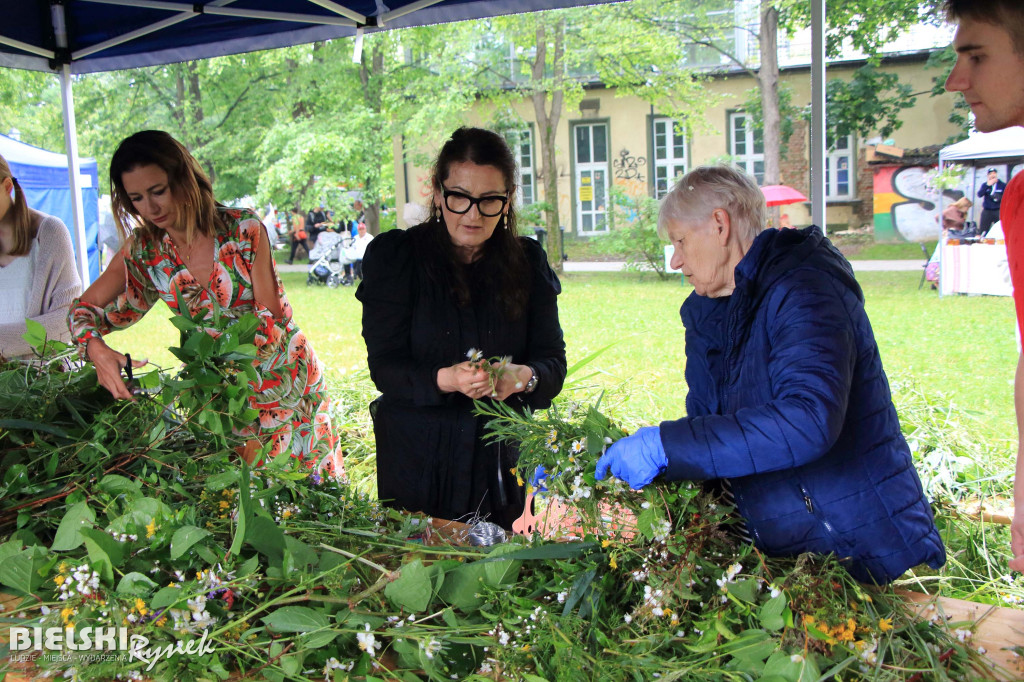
(531, 385)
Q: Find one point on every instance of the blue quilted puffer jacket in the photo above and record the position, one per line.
(788, 400)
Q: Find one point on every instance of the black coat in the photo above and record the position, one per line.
(430, 453)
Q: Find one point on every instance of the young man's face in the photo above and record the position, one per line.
(989, 74)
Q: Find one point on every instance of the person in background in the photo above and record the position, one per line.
(38, 277)
(185, 248)
(955, 215)
(359, 244)
(989, 71)
(788, 409)
(297, 234)
(316, 223)
(462, 281)
(360, 216)
(992, 200)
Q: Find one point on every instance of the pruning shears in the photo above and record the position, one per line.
(130, 382)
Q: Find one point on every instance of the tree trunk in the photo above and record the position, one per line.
(547, 126)
(370, 75)
(768, 78)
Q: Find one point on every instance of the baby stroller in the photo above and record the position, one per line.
(332, 253)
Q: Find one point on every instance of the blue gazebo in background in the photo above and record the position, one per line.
(43, 175)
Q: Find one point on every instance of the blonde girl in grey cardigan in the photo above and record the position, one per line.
(37, 270)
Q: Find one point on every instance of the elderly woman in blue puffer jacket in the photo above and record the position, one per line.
(788, 410)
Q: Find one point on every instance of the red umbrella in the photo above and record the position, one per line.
(777, 195)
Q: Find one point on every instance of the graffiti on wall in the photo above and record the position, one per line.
(628, 167)
(905, 209)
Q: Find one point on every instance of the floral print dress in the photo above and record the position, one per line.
(290, 397)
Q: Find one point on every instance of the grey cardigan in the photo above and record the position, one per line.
(55, 283)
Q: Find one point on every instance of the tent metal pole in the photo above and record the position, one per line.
(342, 10)
(139, 32)
(71, 143)
(408, 9)
(132, 35)
(817, 160)
(32, 49)
(231, 12)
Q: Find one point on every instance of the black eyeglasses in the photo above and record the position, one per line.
(460, 203)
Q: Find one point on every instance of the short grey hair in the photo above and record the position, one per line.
(706, 188)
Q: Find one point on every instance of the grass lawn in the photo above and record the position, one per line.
(959, 346)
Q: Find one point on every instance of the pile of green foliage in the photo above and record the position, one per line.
(139, 515)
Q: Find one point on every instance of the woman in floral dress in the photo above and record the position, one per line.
(180, 245)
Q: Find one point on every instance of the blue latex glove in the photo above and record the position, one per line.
(537, 480)
(637, 460)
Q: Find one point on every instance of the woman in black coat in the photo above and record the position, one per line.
(463, 280)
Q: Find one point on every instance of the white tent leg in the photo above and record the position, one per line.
(817, 159)
(71, 142)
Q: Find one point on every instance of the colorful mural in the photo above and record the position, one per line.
(905, 210)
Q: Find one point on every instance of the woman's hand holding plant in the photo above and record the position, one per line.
(466, 378)
(510, 379)
(109, 363)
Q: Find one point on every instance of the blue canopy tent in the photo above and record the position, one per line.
(84, 36)
(43, 177)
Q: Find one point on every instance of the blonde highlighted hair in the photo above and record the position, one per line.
(706, 188)
(21, 217)
(189, 184)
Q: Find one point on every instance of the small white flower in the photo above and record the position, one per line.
(430, 647)
(796, 658)
(628, 618)
(367, 642)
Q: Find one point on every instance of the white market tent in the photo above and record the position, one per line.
(981, 268)
(84, 36)
(1002, 144)
(980, 150)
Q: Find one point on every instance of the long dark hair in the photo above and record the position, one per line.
(190, 186)
(24, 228)
(503, 262)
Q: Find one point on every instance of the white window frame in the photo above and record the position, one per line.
(526, 169)
(667, 165)
(591, 168)
(833, 160)
(750, 158)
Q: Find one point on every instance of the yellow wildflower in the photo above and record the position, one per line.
(59, 579)
(65, 614)
(140, 606)
(151, 528)
(605, 542)
(64, 567)
(286, 514)
(809, 620)
(224, 504)
(160, 622)
(885, 624)
(612, 562)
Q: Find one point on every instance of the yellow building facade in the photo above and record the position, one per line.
(610, 140)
